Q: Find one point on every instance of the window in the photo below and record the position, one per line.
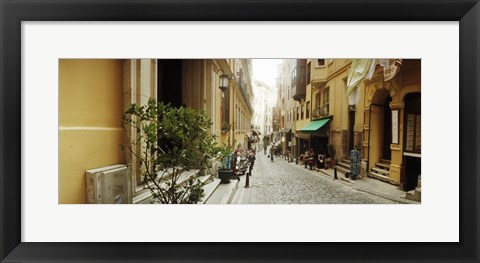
(320, 62)
(413, 140)
(298, 113)
(308, 110)
(294, 77)
(317, 100)
(301, 115)
(309, 71)
(326, 100)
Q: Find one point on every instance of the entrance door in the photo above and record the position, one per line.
(412, 140)
(387, 129)
(170, 81)
(351, 123)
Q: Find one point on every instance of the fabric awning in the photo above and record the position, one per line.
(256, 132)
(286, 130)
(315, 125)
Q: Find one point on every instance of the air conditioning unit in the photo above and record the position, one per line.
(108, 185)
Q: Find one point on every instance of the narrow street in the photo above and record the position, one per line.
(280, 182)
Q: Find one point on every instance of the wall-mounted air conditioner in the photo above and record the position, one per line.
(108, 185)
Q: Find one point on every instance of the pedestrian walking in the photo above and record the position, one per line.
(272, 152)
(264, 148)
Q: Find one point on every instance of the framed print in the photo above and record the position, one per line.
(41, 223)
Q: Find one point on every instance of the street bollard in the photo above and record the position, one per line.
(335, 173)
(247, 179)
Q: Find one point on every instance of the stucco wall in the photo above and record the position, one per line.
(90, 122)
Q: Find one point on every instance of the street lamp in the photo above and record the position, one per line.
(223, 80)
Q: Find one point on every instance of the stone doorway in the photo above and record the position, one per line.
(387, 129)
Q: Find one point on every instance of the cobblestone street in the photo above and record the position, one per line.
(280, 182)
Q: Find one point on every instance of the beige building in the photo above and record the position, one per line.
(392, 124)
(94, 94)
(384, 124)
(288, 105)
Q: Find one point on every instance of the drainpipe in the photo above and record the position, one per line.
(234, 114)
(369, 133)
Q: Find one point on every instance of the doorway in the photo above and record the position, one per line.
(412, 140)
(169, 83)
(387, 129)
(351, 124)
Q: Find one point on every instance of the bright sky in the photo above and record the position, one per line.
(265, 70)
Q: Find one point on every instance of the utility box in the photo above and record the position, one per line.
(108, 185)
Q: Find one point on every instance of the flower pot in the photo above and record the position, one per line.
(225, 175)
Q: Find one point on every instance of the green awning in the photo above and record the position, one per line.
(315, 125)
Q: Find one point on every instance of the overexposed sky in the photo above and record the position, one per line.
(265, 70)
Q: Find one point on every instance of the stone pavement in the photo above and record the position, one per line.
(372, 186)
(281, 182)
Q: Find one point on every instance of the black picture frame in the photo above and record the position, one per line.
(13, 12)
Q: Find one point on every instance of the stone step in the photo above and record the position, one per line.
(210, 188)
(383, 165)
(145, 196)
(344, 165)
(342, 169)
(414, 195)
(381, 171)
(380, 177)
(224, 193)
(385, 161)
(345, 160)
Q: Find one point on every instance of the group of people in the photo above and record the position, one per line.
(309, 158)
(320, 161)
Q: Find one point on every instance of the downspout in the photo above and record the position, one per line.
(369, 133)
(310, 110)
(234, 114)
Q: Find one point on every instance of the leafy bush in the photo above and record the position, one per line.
(172, 140)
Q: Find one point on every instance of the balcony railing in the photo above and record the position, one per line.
(243, 90)
(320, 112)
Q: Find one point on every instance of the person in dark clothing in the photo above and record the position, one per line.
(321, 161)
(310, 158)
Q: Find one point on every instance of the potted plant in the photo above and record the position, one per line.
(225, 171)
(169, 141)
(226, 127)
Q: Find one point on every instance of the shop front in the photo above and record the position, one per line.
(314, 135)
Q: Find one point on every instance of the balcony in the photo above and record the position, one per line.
(318, 76)
(320, 112)
(300, 80)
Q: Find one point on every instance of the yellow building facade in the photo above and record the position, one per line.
(91, 131)
(94, 94)
(392, 126)
(384, 124)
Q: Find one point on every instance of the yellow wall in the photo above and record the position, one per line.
(407, 81)
(90, 122)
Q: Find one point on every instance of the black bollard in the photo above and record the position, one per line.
(247, 179)
(335, 173)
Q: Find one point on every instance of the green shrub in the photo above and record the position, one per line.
(172, 140)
